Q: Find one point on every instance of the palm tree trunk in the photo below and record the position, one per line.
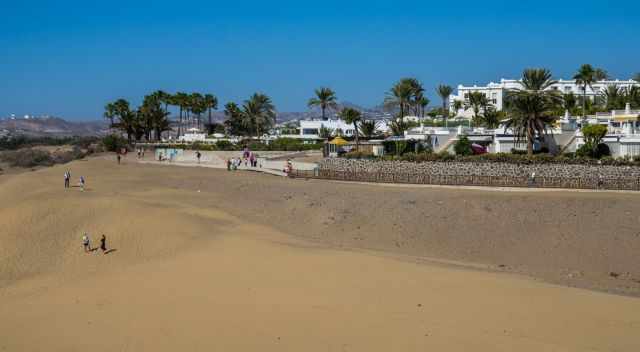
(180, 122)
(355, 127)
(444, 112)
(584, 102)
(323, 114)
(529, 141)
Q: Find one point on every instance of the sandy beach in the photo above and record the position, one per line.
(206, 259)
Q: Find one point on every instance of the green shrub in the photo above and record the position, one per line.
(114, 143)
(358, 155)
(568, 158)
(224, 145)
(463, 146)
(588, 151)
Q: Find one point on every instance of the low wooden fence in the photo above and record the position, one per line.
(628, 184)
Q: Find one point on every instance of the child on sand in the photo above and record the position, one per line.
(82, 183)
(85, 243)
(67, 176)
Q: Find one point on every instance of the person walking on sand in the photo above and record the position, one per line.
(198, 155)
(103, 244)
(82, 183)
(67, 177)
(85, 243)
(118, 156)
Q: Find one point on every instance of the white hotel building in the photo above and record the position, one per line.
(495, 91)
(310, 129)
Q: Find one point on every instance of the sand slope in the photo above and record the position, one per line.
(192, 273)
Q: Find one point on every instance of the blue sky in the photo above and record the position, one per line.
(68, 58)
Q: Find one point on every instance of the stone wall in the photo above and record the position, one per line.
(496, 169)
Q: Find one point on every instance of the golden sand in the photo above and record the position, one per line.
(188, 275)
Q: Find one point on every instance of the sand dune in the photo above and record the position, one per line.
(206, 271)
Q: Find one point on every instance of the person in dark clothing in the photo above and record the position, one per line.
(103, 244)
(119, 158)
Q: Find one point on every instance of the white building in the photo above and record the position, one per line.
(495, 92)
(310, 129)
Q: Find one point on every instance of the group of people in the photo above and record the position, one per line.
(249, 159)
(233, 164)
(288, 167)
(67, 181)
(86, 243)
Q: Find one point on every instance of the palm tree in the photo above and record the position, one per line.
(423, 102)
(369, 128)
(211, 103)
(181, 100)
(632, 96)
(163, 98)
(197, 106)
(417, 94)
(110, 113)
(601, 74)
(127, 121)
(457, 105)
(352, 116)
(614, 97)
(325, 98)
(478, 102)
(585, 77)
(259, 111)
(400, 96)
(234, 123)
(444, 92)
(531, 107)
(153, 118)
(569, 101)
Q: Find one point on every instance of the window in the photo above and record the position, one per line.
(309, 131)
(466, 95)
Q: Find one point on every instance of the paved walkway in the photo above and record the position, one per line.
(214, 166)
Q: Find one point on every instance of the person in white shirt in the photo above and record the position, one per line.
(85, 243)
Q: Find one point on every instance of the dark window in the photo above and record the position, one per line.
(309, 131)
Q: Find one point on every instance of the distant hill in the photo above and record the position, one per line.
(52, 126)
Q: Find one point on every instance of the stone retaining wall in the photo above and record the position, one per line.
(479, 169)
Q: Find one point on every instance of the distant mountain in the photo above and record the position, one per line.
(52, 126)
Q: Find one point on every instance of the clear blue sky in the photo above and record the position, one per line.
(69, 58)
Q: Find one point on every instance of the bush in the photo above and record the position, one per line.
(587, 151)
(27, 158)
(358, 155)
(114, 143)
(224, 145)
(567, 158)
(463, 146)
